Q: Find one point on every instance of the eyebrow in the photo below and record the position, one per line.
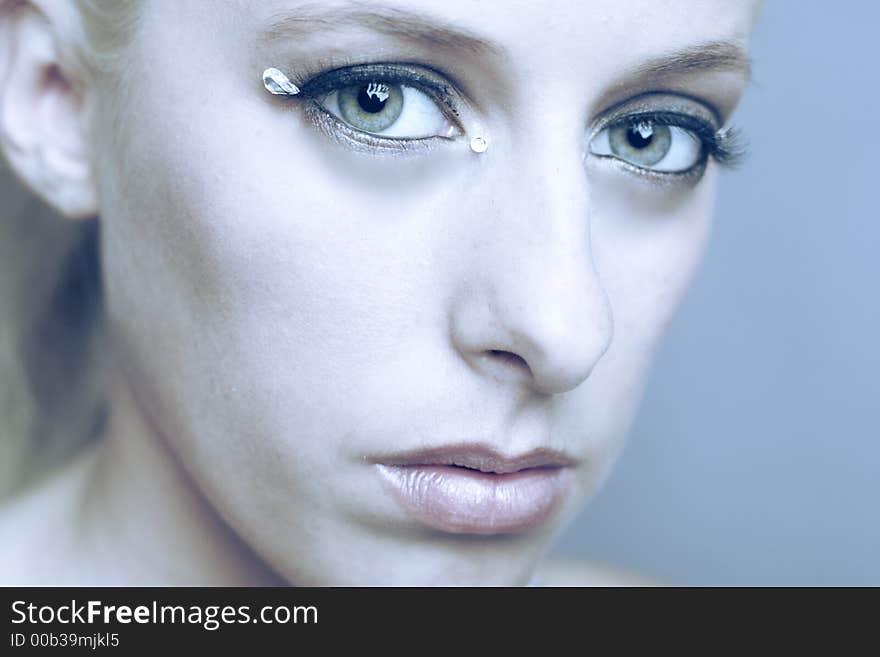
(710, 56)
(430, 30)
(397, 22)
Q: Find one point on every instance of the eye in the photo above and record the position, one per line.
(382, 107)
(652, 143)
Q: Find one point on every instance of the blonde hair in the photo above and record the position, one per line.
(52, 379)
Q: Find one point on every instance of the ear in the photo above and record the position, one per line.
(43, 131)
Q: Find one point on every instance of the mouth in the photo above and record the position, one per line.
(472, 489)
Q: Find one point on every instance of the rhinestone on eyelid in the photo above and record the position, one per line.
(277, 83)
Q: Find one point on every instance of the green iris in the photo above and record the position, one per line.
(643, 143)
(371, 107)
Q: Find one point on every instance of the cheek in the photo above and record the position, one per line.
(647, 246)
(648, 243)
(264, 291)
(268, 242)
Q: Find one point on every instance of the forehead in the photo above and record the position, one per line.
(524, 29)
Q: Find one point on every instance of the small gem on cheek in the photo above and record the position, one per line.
(479, 144)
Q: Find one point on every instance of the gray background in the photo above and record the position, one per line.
(755, 456)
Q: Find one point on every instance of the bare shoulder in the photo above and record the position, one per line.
(35, 524)
(577, 572)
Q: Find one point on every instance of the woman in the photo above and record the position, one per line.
(380, 282)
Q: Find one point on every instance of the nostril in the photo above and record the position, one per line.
(509, 358)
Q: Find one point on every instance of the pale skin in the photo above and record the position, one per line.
(283, 307)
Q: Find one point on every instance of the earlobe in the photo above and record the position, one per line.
(42, 127)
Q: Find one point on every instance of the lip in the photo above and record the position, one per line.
(472, 489)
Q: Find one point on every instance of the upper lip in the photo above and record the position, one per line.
(477, 456)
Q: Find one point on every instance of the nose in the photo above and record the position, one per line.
(531, 309)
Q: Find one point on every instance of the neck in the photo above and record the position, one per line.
(145, 521)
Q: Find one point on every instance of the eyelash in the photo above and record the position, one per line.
(726, 147)
(723, 146)
(417, 76)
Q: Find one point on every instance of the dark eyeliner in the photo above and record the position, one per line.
(404, 74)
(724, 146)
(418, 76)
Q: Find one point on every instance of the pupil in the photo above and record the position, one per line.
(370, 102)
(635, 139)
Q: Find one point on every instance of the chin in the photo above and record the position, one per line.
(425, 557)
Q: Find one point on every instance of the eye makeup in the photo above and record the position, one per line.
(313, 89)
(724, 146)
(684, 116)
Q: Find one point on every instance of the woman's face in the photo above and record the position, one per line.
(337, 332)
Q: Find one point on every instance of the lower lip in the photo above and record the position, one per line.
(464, 501)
